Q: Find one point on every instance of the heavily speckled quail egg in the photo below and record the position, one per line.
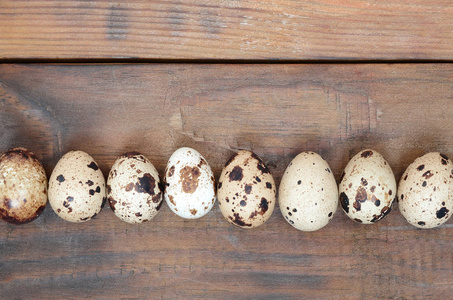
(367, 188)
(76, 187)
(189, 184)
(308, 192)
(23, 186)
(246, 190)
(133, 188)
(425, 191)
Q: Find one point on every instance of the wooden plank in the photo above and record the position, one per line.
(189, 29)
(277, 111)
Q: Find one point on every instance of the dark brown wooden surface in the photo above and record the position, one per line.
(400, 110)
(190, 29)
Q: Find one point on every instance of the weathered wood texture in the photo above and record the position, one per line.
(277, 111)
(188, 29)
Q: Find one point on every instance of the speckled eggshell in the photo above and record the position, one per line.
(246, 190)
(189, 184)
(76, 187)
(425, 191)
(308, 192)
(367, 188)
(23, 186)
(133, 188)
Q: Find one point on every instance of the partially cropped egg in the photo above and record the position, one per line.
(133, 188)
(246, 190)
(425, 191)
(189, 184)
(367, 188)
(308, 192)
(23, 186)
(76, 187)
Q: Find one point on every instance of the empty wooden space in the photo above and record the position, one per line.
(233, 29)
(400, 110)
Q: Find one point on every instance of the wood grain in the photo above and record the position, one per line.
(189, 29)
(277, 111)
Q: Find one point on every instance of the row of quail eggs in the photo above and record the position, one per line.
(246, 191)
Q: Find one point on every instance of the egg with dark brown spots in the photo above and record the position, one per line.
(367, 188)
(308, 192)
(76, 187)
(133, 188)
(23, 186)
(189, 184)
(425, 191)
(246, 190)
